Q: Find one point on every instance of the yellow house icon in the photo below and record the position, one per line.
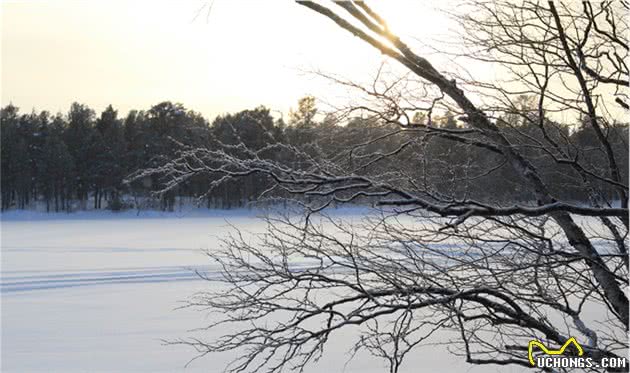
(560, 351)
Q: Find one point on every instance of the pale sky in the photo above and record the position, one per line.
(134, 54)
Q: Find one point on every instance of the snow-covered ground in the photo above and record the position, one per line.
(99, 292)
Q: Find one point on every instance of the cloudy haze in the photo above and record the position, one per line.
(136, 54)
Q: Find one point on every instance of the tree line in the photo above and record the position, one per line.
(82, 160)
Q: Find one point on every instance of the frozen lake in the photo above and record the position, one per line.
(98, 292)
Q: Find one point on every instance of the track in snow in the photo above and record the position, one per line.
(18, 282)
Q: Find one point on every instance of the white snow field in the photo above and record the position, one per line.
(98, 292)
